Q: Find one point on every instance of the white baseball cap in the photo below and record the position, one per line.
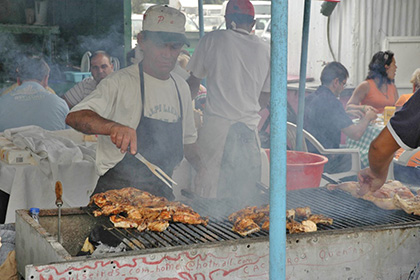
(165, 23)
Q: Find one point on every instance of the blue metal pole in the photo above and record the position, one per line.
(201, 27)
(302, 75)
(279, 14)
(200, 18)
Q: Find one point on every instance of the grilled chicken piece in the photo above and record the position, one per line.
(100, 199)
(154, 202)
(294, 227)
(247, 220)
(253, 212)
(108, 210)
(290, 214)
(122, 222)
(188, 218)
(143, 210)
(320, 219)
(309, 226)
(242, 213)
(266, 223)
(159, 225)
(97, 213)
(409, 205)
(245, 226)
(303, 212)
(383, 198)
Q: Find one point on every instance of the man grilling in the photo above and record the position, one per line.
(143, 108)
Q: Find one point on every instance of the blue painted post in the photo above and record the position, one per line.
(302, 75)
(200, 18)
(279, 14)
(201, 27)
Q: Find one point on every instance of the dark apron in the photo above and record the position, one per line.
(240, 169)
(160, 143)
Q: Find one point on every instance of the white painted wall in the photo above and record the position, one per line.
(358, 29)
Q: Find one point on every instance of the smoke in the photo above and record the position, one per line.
(13, 48)
(107, 42)
(10, 54)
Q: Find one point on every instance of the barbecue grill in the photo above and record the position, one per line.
(364, 242)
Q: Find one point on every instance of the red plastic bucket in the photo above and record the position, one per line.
(304, 170)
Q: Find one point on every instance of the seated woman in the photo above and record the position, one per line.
(378, 90)
(415, 80)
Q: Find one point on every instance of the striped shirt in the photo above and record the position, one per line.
(82, 89)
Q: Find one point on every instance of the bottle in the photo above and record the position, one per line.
(34, 214)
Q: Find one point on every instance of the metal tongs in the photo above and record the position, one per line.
(59, 203)
(156, 170)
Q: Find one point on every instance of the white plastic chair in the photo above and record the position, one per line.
(403, 160)
(355, 156)
(265, 168)
(85, 62)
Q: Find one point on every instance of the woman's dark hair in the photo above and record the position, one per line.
(377, 67)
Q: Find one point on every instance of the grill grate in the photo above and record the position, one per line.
(346, 211)
(178, 234)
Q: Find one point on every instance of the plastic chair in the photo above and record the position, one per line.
(85, 62)
(355, 157)
(265, 168)
(404, 159)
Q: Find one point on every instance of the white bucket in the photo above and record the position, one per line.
(41, 12)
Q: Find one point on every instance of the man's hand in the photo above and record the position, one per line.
(369, 181)
(123, 137)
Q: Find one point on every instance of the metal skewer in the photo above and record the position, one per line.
(59, 203)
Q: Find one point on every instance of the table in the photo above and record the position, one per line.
(363, 143)
(29, 186)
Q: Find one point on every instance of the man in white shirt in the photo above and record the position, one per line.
(100, 67)
(236, 64)
(143, 108)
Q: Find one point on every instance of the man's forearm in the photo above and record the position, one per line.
(381, 152)
(89, 122)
